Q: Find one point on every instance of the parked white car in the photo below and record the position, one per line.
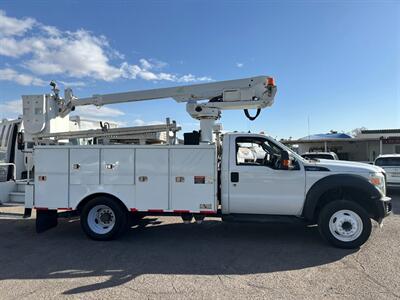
(391, 164)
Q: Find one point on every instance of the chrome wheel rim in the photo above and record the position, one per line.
(345, 225)
(101, 219)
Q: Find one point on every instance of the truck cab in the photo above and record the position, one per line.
(275, 182)
(254, 186)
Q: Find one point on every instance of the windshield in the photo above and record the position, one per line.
(388, 162)
(294, 154)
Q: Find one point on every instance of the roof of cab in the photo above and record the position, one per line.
(388, 155)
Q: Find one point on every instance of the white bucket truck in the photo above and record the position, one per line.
(234, 176)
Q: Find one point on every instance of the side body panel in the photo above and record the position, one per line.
(84, 166)
(111, 172)
(144, 178)
(51, 177)
(193, 179)
(151, 182)
(117, 166)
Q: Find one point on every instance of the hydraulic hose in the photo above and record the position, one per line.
(252, 118)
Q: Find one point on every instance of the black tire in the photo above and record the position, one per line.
(361, 235)
(119, 214)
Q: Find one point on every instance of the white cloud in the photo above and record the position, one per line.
(145, 71)
(9, 46)
(12, 26)
(47, 50)
(140, 122)
(93, 112)
(75, 54)
(73, 83)
(239, 65)
(10, 109)
(9, 74)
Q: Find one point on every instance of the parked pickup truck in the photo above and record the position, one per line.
(391, 164)
(106, 184)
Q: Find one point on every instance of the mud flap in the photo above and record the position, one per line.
(46, 219)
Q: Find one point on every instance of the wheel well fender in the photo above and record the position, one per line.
(351, 186)
(85, 200)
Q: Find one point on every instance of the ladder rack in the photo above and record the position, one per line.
(143, 134)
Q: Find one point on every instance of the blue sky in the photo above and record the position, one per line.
(335, 62)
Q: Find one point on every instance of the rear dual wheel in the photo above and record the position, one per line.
(344, 224)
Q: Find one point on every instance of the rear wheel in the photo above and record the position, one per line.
(344, 224)
(103, 219)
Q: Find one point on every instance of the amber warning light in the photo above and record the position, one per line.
(270, 81)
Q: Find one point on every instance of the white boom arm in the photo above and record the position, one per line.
(243, 91)
(249, 93)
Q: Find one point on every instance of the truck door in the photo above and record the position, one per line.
(258, 184)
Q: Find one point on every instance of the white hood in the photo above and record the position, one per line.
(346, 166)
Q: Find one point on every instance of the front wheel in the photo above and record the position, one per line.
(103, 219)
(344, 224)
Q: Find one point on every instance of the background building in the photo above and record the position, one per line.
(365, 146)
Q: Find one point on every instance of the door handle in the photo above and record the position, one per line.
(143, 178)
(234, 176)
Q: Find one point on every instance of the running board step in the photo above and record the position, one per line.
(16, 197)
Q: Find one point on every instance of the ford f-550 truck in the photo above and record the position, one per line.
(106, 184)
(237, 177)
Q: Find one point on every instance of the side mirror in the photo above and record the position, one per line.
(285, 160)
(20, 141)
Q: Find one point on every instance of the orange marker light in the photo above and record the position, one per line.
(270, 81)
(375, 181)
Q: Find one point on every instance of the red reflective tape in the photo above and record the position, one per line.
(134, 209)
(41, 208)
(210, 212)
(181, 211)
(155, 210)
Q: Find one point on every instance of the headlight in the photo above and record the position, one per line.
(378, 180)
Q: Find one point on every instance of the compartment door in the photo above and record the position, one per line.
(51, 178)
(151, 179)
(117, 166)
(193, 182)
(84, 166)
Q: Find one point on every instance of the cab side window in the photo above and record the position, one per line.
(249, 153)
(256, 151)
